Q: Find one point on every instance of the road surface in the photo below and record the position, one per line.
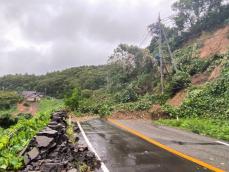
(124, 152)
(204, 148)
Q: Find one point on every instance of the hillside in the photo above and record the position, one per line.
(58, 83)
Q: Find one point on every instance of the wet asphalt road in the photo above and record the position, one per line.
(124, 152)
(204, 148)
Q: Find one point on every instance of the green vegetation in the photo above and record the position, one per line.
(57, 84)
(84, 168)
(8, 111)
(6, 120)
(179, 80)
(206, 108)
(208, 101)
(191, 19)
(15, 138)
(72, 100)
(8, 99)
(70, 132)
(140, 105)
(209, 127)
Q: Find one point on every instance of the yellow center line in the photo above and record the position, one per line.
(154, 142)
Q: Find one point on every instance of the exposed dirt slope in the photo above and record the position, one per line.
(131, 115)
(215, 73)
(216, 43)
(32, 108)
(199, 78)
(178, 98)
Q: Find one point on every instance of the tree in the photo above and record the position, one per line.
(72, 101)
(190, 12)
(126, 64)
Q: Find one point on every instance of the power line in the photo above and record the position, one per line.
(168, 17)
(144, 38)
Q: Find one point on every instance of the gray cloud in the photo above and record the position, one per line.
(38, 36)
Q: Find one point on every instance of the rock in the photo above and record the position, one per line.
(56, 119)
(43, 141)
(72, 170)
(33, 154)
(51, 167)
(76, 129)
(90, 155)
(48, 132)
(53, 123)
(57, 127)
(26, 159)
(82, 148)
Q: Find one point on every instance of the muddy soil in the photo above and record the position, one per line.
(32, 108)
(215, 43)
(178, 99)
(154, 113)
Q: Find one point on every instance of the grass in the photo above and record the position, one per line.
(50, 105)
(210, 127)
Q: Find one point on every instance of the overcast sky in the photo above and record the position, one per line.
(39, 36)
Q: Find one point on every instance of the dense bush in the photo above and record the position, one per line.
(127, 95)
(86, 93)
(90, 106)
(188, 60)
(140, 105)
(23, 115)
(180, 80)
(87, 106)
(72, 100)
(6, 120)
(210, 100)
(8, 99)
(104, 109)
(198, 66)
(159, 99)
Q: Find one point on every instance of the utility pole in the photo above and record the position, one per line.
(169, 49)
(160, 55)
(45, 91)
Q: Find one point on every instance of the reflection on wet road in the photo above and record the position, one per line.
(124, 152)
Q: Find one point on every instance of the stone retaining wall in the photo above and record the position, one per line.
(51, 151)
